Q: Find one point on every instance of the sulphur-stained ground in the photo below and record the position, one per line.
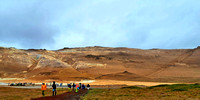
(101, 63)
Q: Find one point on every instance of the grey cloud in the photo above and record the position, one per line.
(27, 24)
(144, 24)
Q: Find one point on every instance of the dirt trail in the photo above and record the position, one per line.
(65, 96)
(34, 64)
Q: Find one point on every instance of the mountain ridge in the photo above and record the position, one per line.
(162, 65)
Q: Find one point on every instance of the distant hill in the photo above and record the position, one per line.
(178, 65)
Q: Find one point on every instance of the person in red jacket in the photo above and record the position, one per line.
(77, 87)
(43, 88)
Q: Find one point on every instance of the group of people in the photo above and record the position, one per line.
(71, 87)
(76, 87)
(44, 87)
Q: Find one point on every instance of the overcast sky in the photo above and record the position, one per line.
(144, 24)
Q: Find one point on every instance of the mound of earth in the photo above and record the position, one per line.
(123, 76)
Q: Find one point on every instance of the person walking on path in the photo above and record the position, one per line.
(73, 85)
(88, 86)
(77, 87)
(54, 89)
(69, 87)
(83, 86)
(43, 88)
(61, 84)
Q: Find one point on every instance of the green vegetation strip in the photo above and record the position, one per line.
(159, 92)
(164, 92)
(178, 87)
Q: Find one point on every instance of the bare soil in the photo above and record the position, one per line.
(101, 63)
(65, 96)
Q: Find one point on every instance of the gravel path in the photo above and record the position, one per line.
(65, 96)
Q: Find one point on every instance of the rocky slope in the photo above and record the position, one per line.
(178, 65)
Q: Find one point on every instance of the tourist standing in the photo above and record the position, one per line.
(88, 86)
(69, 87)
(54, 89)
(73, 85)
(43, 88)
(83, 86)
(77, 87)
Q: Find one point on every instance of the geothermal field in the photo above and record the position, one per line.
(112, 71)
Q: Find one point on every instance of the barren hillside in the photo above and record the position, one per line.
(178, 65)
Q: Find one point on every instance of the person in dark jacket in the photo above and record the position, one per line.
(83, 86)
(54, 88)
(73, 85)
(88, 86)
(79, 85)
(69, 87)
